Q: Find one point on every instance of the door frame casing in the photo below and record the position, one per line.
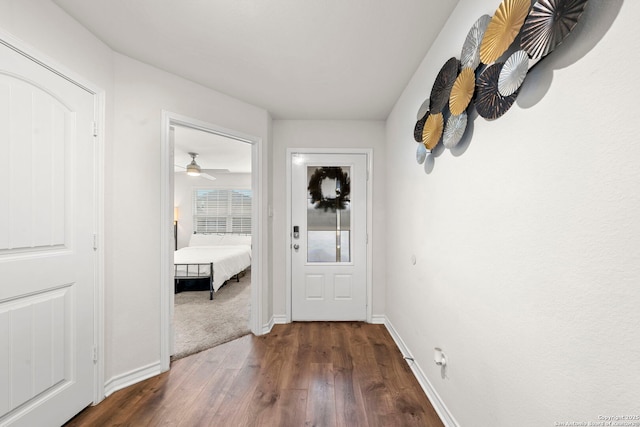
(369, 257)
(99, 115)
(166, 223)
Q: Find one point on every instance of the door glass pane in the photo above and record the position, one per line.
(328, 214)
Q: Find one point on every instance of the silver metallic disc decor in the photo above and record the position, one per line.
(490, 104)
(470, 56)
(454, 130)
(548, 23)
(419, 127)
(423, 110)
(421, 153)
(513, 73)
(442, 86)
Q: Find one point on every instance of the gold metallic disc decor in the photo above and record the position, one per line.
(513, 72)
(462, 91)
(442, 86)
(470, 56)
(490, 104)
(503, 29)
(432, 131)
(453, 132)
(548, 23)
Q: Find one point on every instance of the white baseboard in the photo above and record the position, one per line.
(378, 319)
(442, 410)
(266, 328)
(132, 377)
(278, 319)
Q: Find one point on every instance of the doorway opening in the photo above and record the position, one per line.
(218, 205)
(212, 223)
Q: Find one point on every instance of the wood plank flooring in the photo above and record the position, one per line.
(301, 374)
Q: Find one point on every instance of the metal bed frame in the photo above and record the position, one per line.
(198, 274)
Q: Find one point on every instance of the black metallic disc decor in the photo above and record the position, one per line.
(442, 86)
(417, 130)
(490, 104)
(547, 25)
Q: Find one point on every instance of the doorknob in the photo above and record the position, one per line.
(296, 247)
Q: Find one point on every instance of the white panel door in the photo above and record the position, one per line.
(329, 236)
(47, 256)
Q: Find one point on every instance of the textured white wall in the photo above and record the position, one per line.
(326, 134)
(527, 237)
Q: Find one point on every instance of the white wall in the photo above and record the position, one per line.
(51, 31)
(527, 237)
(136, 94)
(326, 134)
(184, 186)
(142, 92)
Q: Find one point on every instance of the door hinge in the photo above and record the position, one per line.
(367, 238)
(95, 242)
(95, 129)
(95, 354)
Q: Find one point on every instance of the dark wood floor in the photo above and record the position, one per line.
(301, 374)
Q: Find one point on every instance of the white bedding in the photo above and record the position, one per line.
(227, 261)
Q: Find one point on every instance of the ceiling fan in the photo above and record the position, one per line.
(194, 169)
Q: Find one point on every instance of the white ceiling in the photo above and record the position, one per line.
(214, 151)
(298, 59)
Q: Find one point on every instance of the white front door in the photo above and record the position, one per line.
(329, 236)
(47, 256)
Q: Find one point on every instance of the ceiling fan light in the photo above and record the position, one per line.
(193, 169)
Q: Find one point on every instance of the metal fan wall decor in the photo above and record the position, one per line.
(470, 55)
(526, 33)
(433, 131)
(454, 131)
(443, 84)
(490, 103)
(462, 91)
(513, 73)
(417, 130)
(548, 24)
(503, 29)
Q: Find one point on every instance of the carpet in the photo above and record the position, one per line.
(200, 323)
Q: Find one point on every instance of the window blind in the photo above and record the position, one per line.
(222, 211)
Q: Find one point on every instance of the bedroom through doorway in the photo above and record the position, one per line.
(213, 225)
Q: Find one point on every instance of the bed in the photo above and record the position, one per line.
(217, 257)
